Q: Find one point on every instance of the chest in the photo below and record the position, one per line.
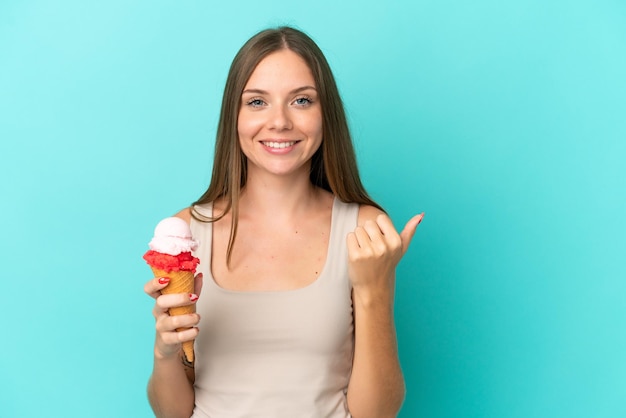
(270, 257)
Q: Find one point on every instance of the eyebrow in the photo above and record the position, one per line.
(294, 91)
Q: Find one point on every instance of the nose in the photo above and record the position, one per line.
(279, 119)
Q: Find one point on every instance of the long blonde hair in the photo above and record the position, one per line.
(333, 166)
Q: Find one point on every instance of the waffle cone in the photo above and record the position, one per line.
(180, 282)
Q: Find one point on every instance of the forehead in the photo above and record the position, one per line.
(281, 68)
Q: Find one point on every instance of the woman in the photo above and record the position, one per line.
(299, 263)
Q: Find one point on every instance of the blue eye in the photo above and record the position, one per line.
(303, 101)
(255, 102)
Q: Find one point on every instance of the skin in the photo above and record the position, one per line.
(284, 226)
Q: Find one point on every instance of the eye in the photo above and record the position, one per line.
(255, 102)
(303, 101)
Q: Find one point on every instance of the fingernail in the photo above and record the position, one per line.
(421, 219)
(164, 280)
(200, 275)
(193, 297)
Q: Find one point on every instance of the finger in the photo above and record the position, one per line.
(158, 312)
(187, 334)
(154, 286)
(174, 300)
(175, 337)
(171, 323)
(353, 243)
(373, 230)
(409, 230)
(377, 240)
(362, 237)
(197, 286)
(384, 224)
(389, 231)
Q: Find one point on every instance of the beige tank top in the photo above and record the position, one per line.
(276, 354)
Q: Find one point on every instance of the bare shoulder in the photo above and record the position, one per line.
(185, 215)
(367, 213)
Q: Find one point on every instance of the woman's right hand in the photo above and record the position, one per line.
(168, 340)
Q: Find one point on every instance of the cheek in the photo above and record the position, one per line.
(312, 124)
(246, 126)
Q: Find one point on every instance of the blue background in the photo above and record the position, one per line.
(505, 121)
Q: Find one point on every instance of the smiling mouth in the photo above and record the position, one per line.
(279, 145)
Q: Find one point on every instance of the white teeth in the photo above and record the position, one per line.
(279, 144)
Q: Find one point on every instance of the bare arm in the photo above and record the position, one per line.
(376, 387)
(170, 390)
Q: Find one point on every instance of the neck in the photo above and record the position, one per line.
(278, 196)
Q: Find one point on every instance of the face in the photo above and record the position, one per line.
(280, 119)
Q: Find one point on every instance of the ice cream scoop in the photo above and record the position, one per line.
(172, 236)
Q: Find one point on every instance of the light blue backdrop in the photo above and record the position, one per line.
(505, 121)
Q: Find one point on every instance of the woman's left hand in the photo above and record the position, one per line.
(374, 250)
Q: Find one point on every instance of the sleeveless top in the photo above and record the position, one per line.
(276, 354)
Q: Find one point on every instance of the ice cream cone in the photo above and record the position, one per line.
(180, 282)
(170, 256)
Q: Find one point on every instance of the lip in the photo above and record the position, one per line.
(279, 140)
(280, 149)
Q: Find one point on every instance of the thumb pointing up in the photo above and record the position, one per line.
(409, 230)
